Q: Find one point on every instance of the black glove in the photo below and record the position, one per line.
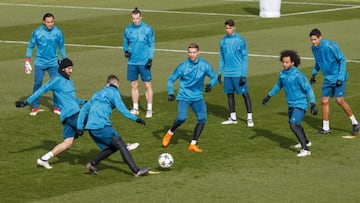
(78, 133)
(242, 81)
(21, 104)
(140, 121)
(127, 54)
(208, 88)
(148, 64)
(312, 79)
(265, 100)
(338, 83)
(313, 109)
(219, 78)
(171, 97)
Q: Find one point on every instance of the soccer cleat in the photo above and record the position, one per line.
(194, 148)
(34, 112)
(229, 121)
(166, 139)
(298, 146)
(132, 146)
(91, 169)
(322, 131)
(56, 111)
(134, 112)
(250, 123)
(148, 114)
(43, 163)
(355, 130)
(304, 153)
(142, 171)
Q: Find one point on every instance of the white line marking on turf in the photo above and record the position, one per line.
(320, 11)
(162, 50)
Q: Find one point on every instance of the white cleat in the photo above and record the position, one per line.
(250, 123)
(134, 112)
(229, 121)
(298, 145)
(148, 114)
(304, 153)
(43, 163)
(132, 146)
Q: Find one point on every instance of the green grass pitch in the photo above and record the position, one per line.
(238, 164)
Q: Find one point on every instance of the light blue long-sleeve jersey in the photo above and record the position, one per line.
(233, 56)
(192, 76)
(47, 42)
(330, 60)
(139, 40)
(99, 108)
(296, 88)
(64, 90)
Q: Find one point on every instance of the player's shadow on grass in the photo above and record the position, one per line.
(180, 134)
(217, 110)
(284, 142)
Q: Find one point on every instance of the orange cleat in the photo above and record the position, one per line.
(194, 148)
(166, 139)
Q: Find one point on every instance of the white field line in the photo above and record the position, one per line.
(161, 50)
(299, 3)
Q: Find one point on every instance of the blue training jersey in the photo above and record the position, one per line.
(64, 91)
(330, 60)
(296, 88)
(99, 108)
(139, 40)
(192, 76)
(47, 42)
(233, 56)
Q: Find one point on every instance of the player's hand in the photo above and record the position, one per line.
(266, 100)
(171, 97)
(127, 54)
(312, 79)
(338, 83)
(313, 109)
(219, 78)
(27, 67)
(78, 133)
(140, 121)
(21, 104)
(208, 88)
(148, 64)
(242, 81)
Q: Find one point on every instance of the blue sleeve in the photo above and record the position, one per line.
(82, 115)
(120, 106)
(221, 60)
(31, 45)
(44, 88)
(125, 41)
(62, 45)
(305, 85)
(244, 58)
(340, 58)
(211, 74)
(277, 87)
(173, 77)
(151, 42)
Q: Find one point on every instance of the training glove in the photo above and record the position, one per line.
(338, 83)
(219, 78)
(140, 121)
(27, 67)
(313, 109)
(21, 104)
(242, 81)
(127, 54)
(148, 64)
(265, 100)
(312, 79)
(171, 97)
(208, 88)
(78, 133)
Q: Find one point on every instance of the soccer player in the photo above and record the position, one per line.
(234, 64)
(191, 74)
(64, 90)
(139, 49)
(296, 88)
(97, 112)
(48, 38)
(331, 61)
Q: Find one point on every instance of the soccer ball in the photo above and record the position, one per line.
(165, 160)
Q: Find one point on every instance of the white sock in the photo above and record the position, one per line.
(249, 116)
(326, 125)
(233, 116)
(193, 141)
(149, 106)
(136, 106)
(47, 156)
(353, 120)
